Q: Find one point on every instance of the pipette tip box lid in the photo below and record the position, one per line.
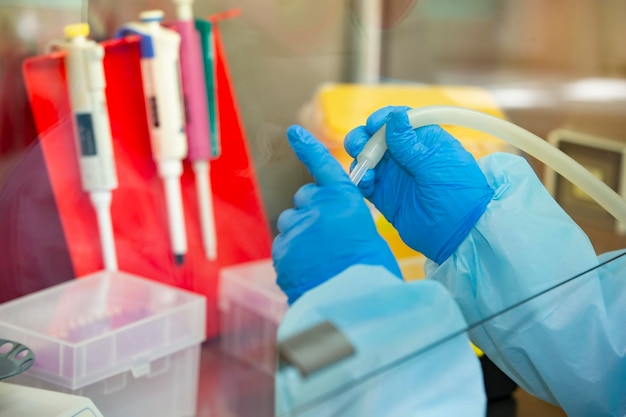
(251, 308)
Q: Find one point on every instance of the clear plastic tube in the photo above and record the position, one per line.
(509, 132)
(359, 170)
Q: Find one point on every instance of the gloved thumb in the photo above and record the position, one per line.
(402, 142)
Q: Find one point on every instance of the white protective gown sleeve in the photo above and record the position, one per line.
(567, 346)
(387, 321)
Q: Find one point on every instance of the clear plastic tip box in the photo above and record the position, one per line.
(129, 344)
(251, 308)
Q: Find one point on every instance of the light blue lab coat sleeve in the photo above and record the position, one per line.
(567, 346)
(393, 373)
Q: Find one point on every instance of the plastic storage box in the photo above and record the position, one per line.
(251, 307)
(129, 344)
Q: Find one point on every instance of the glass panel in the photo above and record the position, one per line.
(576, 319)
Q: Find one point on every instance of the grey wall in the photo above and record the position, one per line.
(279, 53)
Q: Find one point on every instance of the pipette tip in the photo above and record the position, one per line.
(179, 259)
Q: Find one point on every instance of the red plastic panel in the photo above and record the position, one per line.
(138, 208)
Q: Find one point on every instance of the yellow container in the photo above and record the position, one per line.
(339, 108)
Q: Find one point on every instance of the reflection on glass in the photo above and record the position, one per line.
(560, 327)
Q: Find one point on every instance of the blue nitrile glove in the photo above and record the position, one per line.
(427, 185)
(330, 228)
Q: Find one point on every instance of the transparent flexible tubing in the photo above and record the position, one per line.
(520, 138)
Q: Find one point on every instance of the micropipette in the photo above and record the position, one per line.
(86, 82)
(160, 68)
(197, 120)
(209, 51)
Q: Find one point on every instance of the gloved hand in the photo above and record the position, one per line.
(330, 227)
(427, 185)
